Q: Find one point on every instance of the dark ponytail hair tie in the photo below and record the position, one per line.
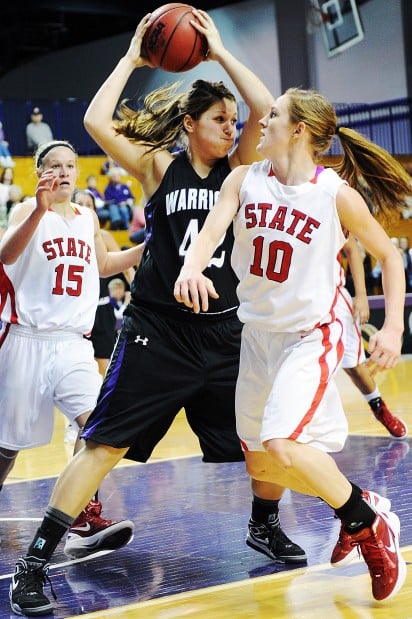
(337, 130)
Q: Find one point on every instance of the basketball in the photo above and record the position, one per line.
(171, 42)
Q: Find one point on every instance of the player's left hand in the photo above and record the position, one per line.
(384, 349)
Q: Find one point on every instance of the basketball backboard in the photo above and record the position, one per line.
(339, 23)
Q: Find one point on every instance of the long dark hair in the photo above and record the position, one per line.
(158, 123)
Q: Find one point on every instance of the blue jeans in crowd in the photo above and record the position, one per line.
(119, 216)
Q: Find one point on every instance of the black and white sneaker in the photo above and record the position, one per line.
(26, 588)
(273, 542)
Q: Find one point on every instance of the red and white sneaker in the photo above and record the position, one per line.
(379, 546)
(395, 426)
(90, 533)
(346, 550)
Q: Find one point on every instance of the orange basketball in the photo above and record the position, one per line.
(171, 42)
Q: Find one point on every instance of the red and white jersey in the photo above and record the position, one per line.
(54, 284)
(286, 250)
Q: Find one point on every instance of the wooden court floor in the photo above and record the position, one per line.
(188, 557)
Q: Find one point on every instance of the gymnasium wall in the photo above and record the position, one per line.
(371, 71)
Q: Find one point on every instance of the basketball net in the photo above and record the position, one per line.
(316, 17)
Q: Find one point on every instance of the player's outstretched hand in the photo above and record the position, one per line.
(194, 289)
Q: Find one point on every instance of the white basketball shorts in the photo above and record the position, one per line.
(354, 353)
(40, 371)
(285, 388)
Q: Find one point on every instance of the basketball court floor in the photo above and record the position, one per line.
(188, 557)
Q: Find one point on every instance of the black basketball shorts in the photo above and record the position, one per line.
(161, 365)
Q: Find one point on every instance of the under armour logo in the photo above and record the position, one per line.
(143, 340)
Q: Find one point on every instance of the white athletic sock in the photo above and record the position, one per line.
(371, 396)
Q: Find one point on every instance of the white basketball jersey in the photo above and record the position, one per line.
(54, 284)
(286, 250)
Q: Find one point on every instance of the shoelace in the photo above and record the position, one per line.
(34, 578)
(372, 548)
(94, 508)
(279, 535)
(342, 541)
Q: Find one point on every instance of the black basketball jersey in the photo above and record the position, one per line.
(174, 216)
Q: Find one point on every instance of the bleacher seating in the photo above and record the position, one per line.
(388, 123)
(24, 175)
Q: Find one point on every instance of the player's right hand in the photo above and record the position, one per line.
(47, 186)
(134, 53)
(194, 289)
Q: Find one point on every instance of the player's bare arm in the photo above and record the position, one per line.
(385, 346)
(355, 263)
(24, 218)
(192, 287)
(117, 261)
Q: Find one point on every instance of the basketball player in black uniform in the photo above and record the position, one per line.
(166, 357)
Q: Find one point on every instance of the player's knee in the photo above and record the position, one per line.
(278, 449)
(258, 471)
(8, 454)
(352, 372)
(259, 466)
(103, 457)
(7, 461)
(81, 420)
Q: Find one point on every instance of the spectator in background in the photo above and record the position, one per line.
(37, 131)
(137, 230)
(406, 253)
(109, 165)
(15, 196)
(376, 272)
(407, 210)
(91, 181)
(119, 298)
(6, 181)
(5, 156)
(367, 269)
(102, 211)
(119, 200)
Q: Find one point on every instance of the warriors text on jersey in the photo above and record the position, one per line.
(287, 243)
(174, 216)
(54, 284)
